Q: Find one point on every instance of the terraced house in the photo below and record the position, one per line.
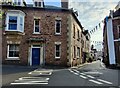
(40, 36)
(111, 38)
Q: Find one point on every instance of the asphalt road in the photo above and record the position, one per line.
(90, 75)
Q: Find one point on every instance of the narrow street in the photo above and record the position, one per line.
(91, 74)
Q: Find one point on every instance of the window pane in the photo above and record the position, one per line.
(36, 22)
(11, 53)
(119, 31)
(21, 23)
(12, 26)
(19, 2)
(36, 29)
(57, 54)
(16, 54)
(11, 47)
(35, 3)
(57, 47)
(12, 19)
(40, 4)
(17, 47)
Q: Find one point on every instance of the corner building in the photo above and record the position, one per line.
(40, 36)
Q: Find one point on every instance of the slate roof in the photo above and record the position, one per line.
(116, 13)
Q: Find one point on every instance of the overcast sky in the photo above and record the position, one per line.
(91, 13)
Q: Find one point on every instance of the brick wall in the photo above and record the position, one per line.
(116, 22)
(47, 26)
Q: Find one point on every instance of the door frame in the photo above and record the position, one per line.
(32, 46)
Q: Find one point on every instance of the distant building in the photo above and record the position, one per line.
(14, 2)
(85, 43)
(111, 38)
(38, 3)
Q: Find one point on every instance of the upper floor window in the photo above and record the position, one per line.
(58, 27)
(78, 51)
(18, 2)
(12, 23)
(73, 31)
(74, 52)
(15, 21)
(78, 32)
(36, 26)
(38, 3)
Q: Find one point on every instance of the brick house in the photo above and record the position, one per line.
(0, 36)
(111, 38)
(40, 36)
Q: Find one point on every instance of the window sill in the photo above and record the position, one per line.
(36, 33)
(14, 58)
(57, 34)
(14, 33)
(57, 57)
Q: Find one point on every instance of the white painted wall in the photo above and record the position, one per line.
(110, 40)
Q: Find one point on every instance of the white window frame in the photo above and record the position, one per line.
(58, 43)
(38, 4)
(18, 14)
(10, 58)
(34, 27)
(21, 2)
(56, 29)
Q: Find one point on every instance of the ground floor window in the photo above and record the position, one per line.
(74, 52)
(57, 51)
(13, 51)
(78, 51)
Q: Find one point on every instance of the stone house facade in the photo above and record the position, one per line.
(40, 36)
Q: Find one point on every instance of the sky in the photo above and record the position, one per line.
(48, 2)
(91, 13)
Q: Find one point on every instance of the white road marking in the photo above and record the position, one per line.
(71, 71)
(43, 71)
(90, 76)
(40, 73)
(27, 83)
(104, 81)
(83, 77)
(95, 82)
(76, 73)
(33, 78)
(94, 72)
(82, 74)
(30, 73)
(33, 81)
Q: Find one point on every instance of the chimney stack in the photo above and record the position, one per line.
(111, 13)
(64, 4)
